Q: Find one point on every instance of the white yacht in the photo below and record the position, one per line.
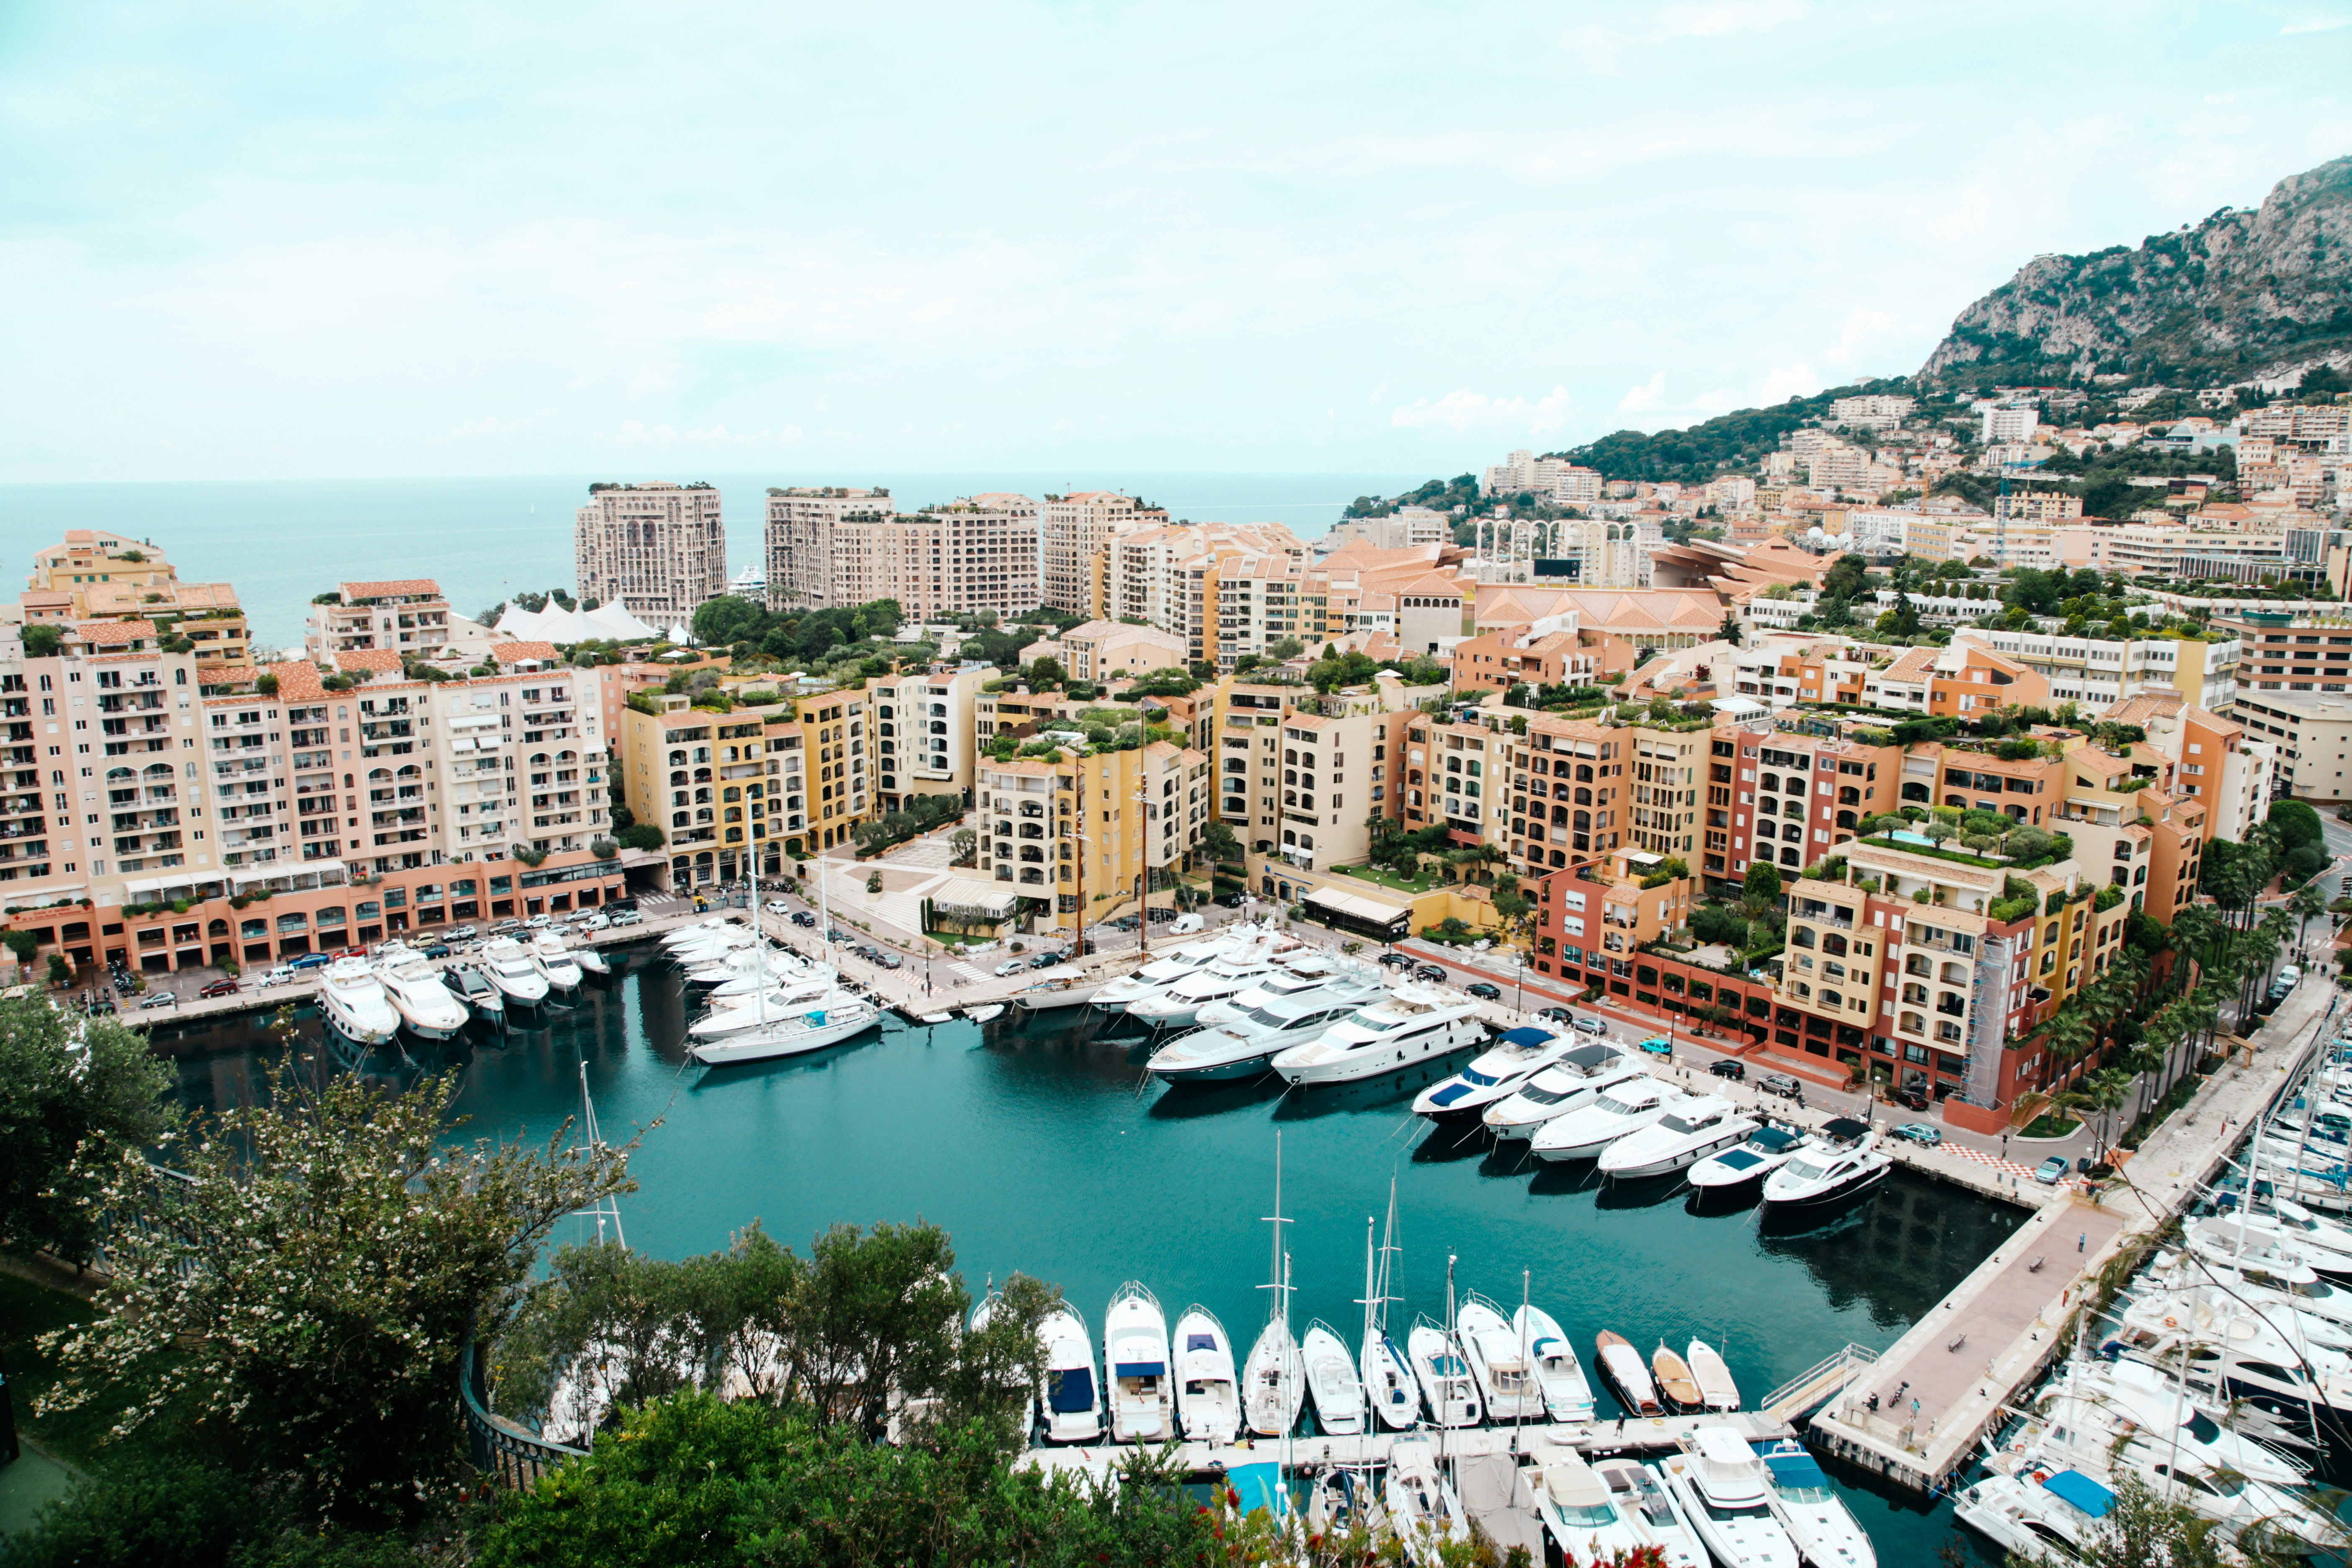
(354, 1002)
(1273, 1381)
(1447, 1383)
(510, 969)
(1072, 1403)
(1800, 1497)
(808, 1024)
(1390, 1386)
(707, 928)
(751, 1010)
(1496, 1073)
(1423, 1507)
(1633, 1488)
(1583, 1519)
(1620, 1110)
(1763, 1152)
(591, 960)
(411, 984)
(1175, 1005)
(1628, 1374)
(1243, 1046)
(1303, 970)
(1695, 1127)
(1413, 1023)
(1566, 1393)
(2237, 1237)
(2052, 1518)
(1719, 1482)
(555, 962)
(1848, 1161)
(472, 987)
(1569, 1084)
(1331, 1381)
(1208, 1396)
(1500, 1362)
(1135, 1360)
(1717, 1389)
(1117, 996)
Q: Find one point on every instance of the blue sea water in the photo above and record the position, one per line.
(483, 539)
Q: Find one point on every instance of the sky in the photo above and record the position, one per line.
(252, 240)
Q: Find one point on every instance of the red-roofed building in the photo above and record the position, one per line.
(409, 617)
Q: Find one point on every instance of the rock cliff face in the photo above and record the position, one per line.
(2230, 299)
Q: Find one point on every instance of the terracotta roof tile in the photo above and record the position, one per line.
(516, 652)
(373, 660)
(385, 590)
(113, 633)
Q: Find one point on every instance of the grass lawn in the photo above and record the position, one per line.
(1387, 877)
(2048, 1126)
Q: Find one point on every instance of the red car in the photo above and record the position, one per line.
(352, 953)
(219, 988)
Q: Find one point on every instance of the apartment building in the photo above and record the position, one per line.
(1088, 825)
(1972, 679)
(1260, 600)
(656, 549)
(1098, 650)
(2215, 761)
(2098, 672)
(1551, 652)
(2313, 732)
(799, 542)
(1226, 589)
(924, 733)
(2167, 550)
(1553, 480)
(2036, 506)
(93, 575)
(2289, 652)
(1298, 777)
(170, 812)
(410, 617)
(956, 559)
(1568, 791)
(1874, 412)
(2000, 426)
(1790, 794)
(1075, 533)
(1457, 772)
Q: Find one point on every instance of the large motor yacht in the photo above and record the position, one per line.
(1569, 1084)
(1721, 1486)
(1848, 1161)
(1495, 1074)
(1293, 1015)
(1617, 1112)
(354, 1002)
(1697, 1127)
(509, 967)
(413, 985)
(1156, 975)
(555, 962)
(1177, 1004)
(1135, 1358)
(806, 1016)
(472, 987)
(1413, 1023)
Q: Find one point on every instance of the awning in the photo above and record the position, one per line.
(2081, 1491)
(1362, 908)
(1528, 1036)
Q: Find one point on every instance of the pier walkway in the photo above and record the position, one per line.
(1917, 1414)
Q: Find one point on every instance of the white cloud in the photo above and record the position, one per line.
(1650, 394)
(2315, 25)
(1462, 410)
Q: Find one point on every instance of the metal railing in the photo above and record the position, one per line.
(1817, 1384)
(499, 1447)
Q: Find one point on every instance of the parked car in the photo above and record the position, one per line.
(1920, 1133)
(1045, 961)
(1784, 1086)
(597, 921)
(1011, 967)
(312, 961)
(891, 961)
(630, 918)
(349, 952)
(1396, 960)
(459, 933)
(1554, 1015)
(1125, 922)
(1910, 1096)
(1658, 1046)
(803, 917)
(2050, 1172)
(281, 975)
(778, 907)
(1161, 917)
(538, 922)
(1185, 924)
(161, 999)
(436, 950)
(1435, 972)
(1484, 990)
(1731, 1068)
(218, 988)
(1593, 1027)
(506, 927)
(1230, 901)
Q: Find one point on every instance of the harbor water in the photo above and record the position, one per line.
(1032, 1142)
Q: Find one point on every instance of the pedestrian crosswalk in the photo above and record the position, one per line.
(1986, 1157)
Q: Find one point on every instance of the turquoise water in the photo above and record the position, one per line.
(1033, 1147)
(488, 539)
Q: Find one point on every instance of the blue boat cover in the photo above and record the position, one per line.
(816, 1020)
(2083, 1492)
(1074, 1391)
(1795, 1471)
(1449, 1094)
(1200, 1341)
(1139, 1369)
(1527, 1034)
(1259, 1487)
(1739, 1159)
(1773, 1137)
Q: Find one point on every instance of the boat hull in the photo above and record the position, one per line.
(1851, 1187)
(762, 1045)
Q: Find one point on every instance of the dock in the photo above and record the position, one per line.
(1916, 1414)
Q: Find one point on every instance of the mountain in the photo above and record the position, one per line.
(1738, 439)
(2224, 300)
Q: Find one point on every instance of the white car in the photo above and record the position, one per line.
(457, 934)
(778, 907)
(538, 922)
(281, 975)
(597, 921)
(1011, 967)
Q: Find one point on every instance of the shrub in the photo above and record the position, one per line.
(603, 849)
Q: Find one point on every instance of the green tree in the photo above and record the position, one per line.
(640, 836)
(1221, 843)
(1759, 890)
(76, 1098)
(42, 641)
(333, 1366)
(729, 618)
(965, 843)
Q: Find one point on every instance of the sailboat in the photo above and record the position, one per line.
(810, 1024)
(1389, 1384)
(1271, 1386)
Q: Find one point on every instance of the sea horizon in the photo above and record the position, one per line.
(488, 538)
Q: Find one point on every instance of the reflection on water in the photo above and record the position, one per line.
(1040, 1145)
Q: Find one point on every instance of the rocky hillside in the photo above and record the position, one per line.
(2228, 299)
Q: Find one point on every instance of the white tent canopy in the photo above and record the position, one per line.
(557, 624)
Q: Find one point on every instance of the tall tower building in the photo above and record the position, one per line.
(656, 549)
(801, 542)
(1074, 529)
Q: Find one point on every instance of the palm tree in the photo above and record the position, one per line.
(2305, 902)
(2068, 1034)
(2101, 1092)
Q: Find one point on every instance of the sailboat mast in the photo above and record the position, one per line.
(1519, 1413)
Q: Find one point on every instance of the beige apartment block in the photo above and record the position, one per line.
(94, 575)
(656, 549)
(799, 538)
(1298, 775)
(943, 561)
(1098, 650)
(2096, 671)
(1086, 827)
(1075, 531)
(411, 617)
(2313, 732)
(924, 733)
